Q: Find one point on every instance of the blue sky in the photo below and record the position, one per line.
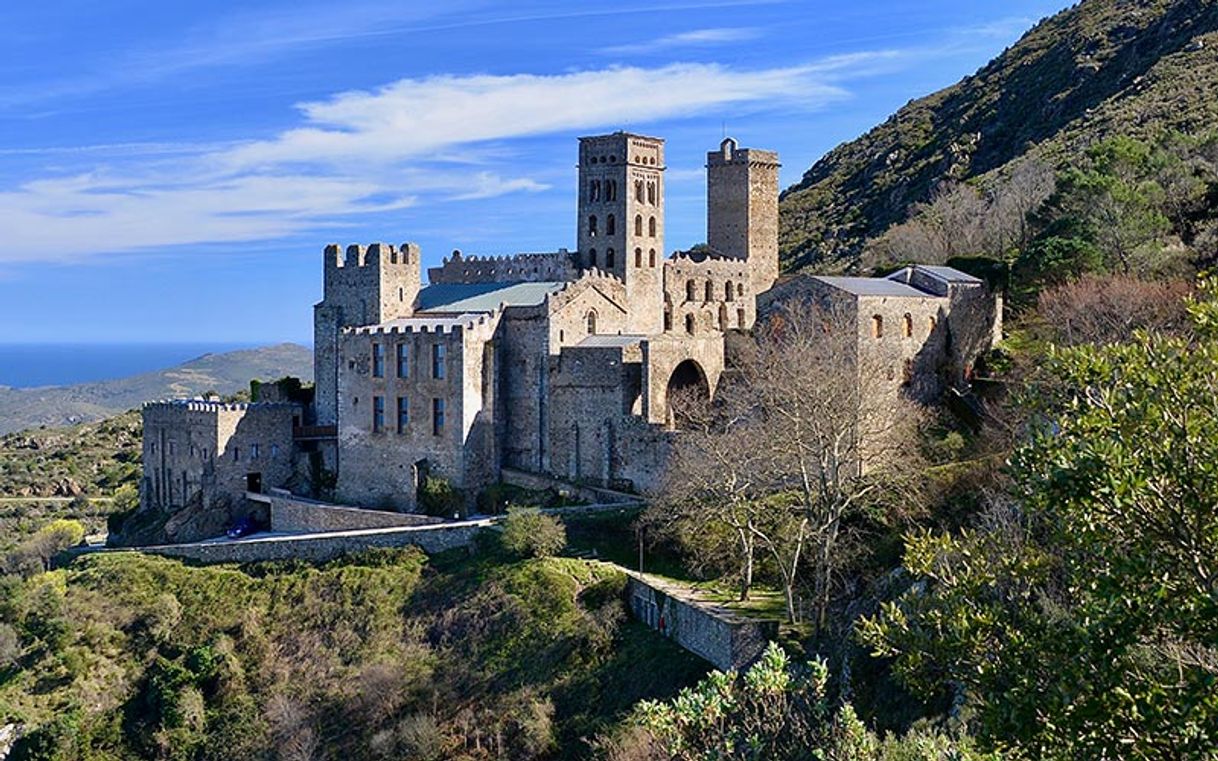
(172, 171)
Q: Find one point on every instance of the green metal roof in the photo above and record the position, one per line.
(483, 297)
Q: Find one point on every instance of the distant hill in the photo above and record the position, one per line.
(1101, 67)
(225, 373)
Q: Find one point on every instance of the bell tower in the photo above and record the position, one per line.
(621, 220)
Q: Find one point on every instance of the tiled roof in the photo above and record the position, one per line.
(482, 297)
(872, 286)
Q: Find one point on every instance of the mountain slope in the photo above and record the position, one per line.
(224, 373)
(1101, 67)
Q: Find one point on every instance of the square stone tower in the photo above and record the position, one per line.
(742, 208)
(621, 220)
(366, 286)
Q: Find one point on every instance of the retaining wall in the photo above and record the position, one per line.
(290, 513)
(727, 641)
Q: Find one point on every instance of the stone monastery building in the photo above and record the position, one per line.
(557, 363)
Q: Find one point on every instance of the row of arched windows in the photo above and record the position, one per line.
(691, 320)
(602, 190)
(648, 197)
(638, 257)
(610, 258)
(610, 225)
(638, 226)
(730, 290)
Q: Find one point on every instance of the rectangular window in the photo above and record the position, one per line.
(274, 450)
(403, 414)
(437, 417)
(378, 360)
(403, 361)
(437, 361)
(253, 451)
(236, 454)
(378, 413)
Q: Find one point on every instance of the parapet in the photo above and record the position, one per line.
(479, 323)
(208, 405)
(730, 153)
(373, 255)
(606, 281)
(551, 266)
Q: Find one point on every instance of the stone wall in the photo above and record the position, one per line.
(705, 295)
(727, 641)
(293, 514)
(742, 208)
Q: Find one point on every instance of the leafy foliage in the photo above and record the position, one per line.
(531, 533)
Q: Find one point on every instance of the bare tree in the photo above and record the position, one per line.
(801, 435)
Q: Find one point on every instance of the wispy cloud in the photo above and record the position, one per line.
(364, 152)
(693, 38)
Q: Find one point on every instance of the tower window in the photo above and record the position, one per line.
(651, 257)
(610, 258)
(437, 416)
(403, 360)
(610, 190)
(594, 190)
(689, 324)
(723, 317)
(651, 227)
(710, 291)
(667, 320)
(403, 414)
(437, 361)
(378, 360)
(378, 414)
(638, 225)
(592, 225)
(638, 191)
(739, 289)
(638, 257)
(728, 292)
(740, 318)
(592, 258)
(253, 451)
(877, 326)
(908, 325)
(611, 225)
(591, 322)
(690, 290)
(651, 190)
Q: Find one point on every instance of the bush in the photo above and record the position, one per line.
(439, 498)
(531, 533)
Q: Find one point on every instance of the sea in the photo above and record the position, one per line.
(27, 365)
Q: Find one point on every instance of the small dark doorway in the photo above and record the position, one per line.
(422, 469)
(253, 482)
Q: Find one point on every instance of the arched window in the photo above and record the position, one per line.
(592, 226)
(651, 227)
(651, 257)
(651, 193)
(877, 326)
(723, 317)
(689, 324)
(710, 291)
(594, 190)
(611, 225)
(739, 289)
(638, 224)
(667, 320)
(689, 290)
(740, 318)
(638, 257)
(729, 293)
(610, 190)
(638, 190)
(908, 325)
(592, 322)
(592, 258)
(609, 259)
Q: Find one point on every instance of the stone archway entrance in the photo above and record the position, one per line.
(686, 385)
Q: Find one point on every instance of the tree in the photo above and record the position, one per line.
(1086, 624)
(800, 437)
(529, 532)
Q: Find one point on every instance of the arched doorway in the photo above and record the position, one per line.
(687, 385)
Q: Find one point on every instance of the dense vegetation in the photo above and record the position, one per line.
(1098, 69)
(384, 655)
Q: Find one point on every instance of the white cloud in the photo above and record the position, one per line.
(364, 152)
(694, 38)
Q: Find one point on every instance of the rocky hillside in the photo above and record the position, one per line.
(224, 373)
(1099, 68)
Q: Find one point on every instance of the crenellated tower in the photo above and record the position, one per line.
(742, 209)
(621, 220)
(364, 285)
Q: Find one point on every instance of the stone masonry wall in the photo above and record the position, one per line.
(292, 514)
(727, 641)
(559, 266)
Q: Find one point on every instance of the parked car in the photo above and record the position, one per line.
(243, 527)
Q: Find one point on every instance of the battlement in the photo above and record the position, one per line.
(373, 255)
(208, 405)
(527, 267)
(466, 323)
(731, 154)
(594, 277)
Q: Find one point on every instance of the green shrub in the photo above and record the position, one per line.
(440, 498)
(531, 533)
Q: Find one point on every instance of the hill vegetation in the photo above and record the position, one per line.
(1102, 68)
(225, 373)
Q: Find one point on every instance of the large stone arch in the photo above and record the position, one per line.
(687, 384)
(676, 362)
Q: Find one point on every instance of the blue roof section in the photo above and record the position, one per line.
(872, 286)
(950, 274)
(482, 297)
